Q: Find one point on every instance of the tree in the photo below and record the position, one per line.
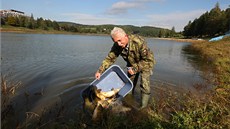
(39, 22)
(42, 24)
(55, 25)
(22, 20)
(173, 32)
(227, 19)
(187, 29)
(31, 22)
(160, 34)
(173, 29)
(202, 24)
(11, 21)
(3, 21)
(48, 23)
(215, 22)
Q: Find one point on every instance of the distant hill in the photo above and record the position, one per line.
(68, 23)
(46, 24)
(147, 31)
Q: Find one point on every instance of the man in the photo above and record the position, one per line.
(139, 58)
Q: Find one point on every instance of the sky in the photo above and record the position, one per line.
(157, 13)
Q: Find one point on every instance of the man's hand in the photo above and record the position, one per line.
(97, 75)
(130, 70)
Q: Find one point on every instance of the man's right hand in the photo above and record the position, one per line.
(130, 70)
(97, 75)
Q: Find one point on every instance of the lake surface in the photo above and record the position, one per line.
(60, 66)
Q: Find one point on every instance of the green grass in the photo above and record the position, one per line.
(218, 55)
(7, 28)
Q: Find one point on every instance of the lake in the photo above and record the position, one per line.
(54, 68)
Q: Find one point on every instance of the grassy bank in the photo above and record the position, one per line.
(217, 53)
(183, 40)
(34, 31)
(211, 111)
(12, 29)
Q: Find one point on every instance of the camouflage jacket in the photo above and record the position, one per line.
(136, 54)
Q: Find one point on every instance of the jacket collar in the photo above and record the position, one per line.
(130, 43)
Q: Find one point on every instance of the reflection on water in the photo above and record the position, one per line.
(202, 66)
(172, 65)
(55, 68)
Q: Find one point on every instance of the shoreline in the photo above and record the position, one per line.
(40, 31)
(183, 40)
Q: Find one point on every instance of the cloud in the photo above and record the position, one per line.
(89, 19)
(122, 7)
(176, 19)
(149, 0)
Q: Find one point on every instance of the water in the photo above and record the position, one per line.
(55, 68)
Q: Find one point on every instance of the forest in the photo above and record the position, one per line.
(213, 23)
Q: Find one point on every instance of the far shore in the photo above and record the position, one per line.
(40, 31)
(183, 40)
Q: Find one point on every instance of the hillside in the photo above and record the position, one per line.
(147, 31)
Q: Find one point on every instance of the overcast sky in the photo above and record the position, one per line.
(157, 13)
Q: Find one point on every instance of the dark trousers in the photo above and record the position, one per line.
(145, 81)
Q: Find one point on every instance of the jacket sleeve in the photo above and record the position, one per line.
(147, 61)
(110, 58)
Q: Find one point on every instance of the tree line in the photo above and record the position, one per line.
(213, 23)
(40, 23)
(29, 22)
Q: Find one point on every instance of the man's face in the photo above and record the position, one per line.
(120, 39)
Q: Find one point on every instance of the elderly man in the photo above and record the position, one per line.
(139, 58)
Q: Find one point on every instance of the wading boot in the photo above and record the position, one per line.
(144, 100)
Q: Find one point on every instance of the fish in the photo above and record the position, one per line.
(94, 100)
(105, 98)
